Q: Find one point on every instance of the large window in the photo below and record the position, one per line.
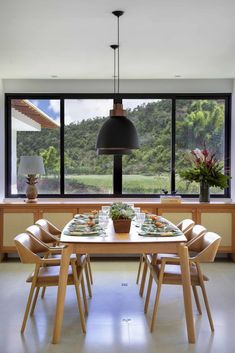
(148, 170)
(85, 172)
(63, 130)
(198, 123)
(35, 130)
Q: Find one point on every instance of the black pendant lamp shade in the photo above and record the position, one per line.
(117, 136)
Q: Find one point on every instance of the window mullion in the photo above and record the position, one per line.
(173, 131)
(62, 177)
(117, 175)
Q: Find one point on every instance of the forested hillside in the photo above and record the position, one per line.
(197, 122)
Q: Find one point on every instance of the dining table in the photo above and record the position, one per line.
(122, 243)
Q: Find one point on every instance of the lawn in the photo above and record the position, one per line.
(132, 184)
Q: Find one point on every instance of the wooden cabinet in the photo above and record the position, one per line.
(221, 222)
(14, 222)
(87, 209)
(15, 217)
(176, 215)
(58, 216)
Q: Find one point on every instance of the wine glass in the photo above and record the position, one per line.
(106, 209)
(103, 222)
(136, 210)
(140, 218)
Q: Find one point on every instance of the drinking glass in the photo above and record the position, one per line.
(103, 222)
(136, 210)
(105, 209)
(140, 218)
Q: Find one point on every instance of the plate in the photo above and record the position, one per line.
(83, 234)
(159, 234)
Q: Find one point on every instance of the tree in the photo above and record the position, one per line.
(51, 160)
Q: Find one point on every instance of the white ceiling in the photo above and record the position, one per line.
(158, 38)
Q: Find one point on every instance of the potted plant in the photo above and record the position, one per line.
(121, 214)
(207, 171)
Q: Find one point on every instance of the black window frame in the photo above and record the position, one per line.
(117, 161)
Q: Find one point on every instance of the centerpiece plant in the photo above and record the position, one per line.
(206, 170)
(121, 214)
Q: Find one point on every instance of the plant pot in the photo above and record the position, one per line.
(204, 192)
(122, 225)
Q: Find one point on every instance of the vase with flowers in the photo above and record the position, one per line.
(207, 171)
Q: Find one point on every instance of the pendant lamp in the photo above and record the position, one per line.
(118, 134)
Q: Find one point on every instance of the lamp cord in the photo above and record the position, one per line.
(117, 13)
(114, 71)
(118, 71)
(114, 47)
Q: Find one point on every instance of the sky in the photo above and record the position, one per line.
(83, 109)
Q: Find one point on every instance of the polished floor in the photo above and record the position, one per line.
(116, 322)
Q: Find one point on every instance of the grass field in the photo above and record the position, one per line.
(102, 184)
(132, 184)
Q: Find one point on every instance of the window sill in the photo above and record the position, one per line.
(93, 200)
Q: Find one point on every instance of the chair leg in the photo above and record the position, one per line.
(33, 286)
(89, 268)
(34, 301)
(139, 268)
(88, 280)
(43, 292)
(200, 275)
(76, 282)
(144, 273)
(159, 285)
(84, 295)
(148, 293)
(207, 307)
(197, 300)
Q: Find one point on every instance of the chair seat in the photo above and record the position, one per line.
(172, 274)
(169, 256)
(72, 257)
(149, 257)
(50, 275)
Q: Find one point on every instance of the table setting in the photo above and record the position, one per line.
(96, 222)
(157, 226)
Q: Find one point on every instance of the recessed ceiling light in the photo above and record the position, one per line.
(54, 76)
(178, 76)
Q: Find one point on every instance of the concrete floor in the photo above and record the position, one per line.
(116, 322)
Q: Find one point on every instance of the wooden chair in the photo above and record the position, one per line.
(50, 228)
(55, 251)
(192, 236)
(56, 233)
(164, 273)
(46, 273)
(185, 226)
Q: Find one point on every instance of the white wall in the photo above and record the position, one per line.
(126, 86)
(106, 86)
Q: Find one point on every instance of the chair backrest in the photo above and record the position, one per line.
(28, 247)
(209, 244)
(186, 225)
(193, 234)
(41, 234)
(49, 227)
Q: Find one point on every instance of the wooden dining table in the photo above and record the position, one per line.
(123, 243)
